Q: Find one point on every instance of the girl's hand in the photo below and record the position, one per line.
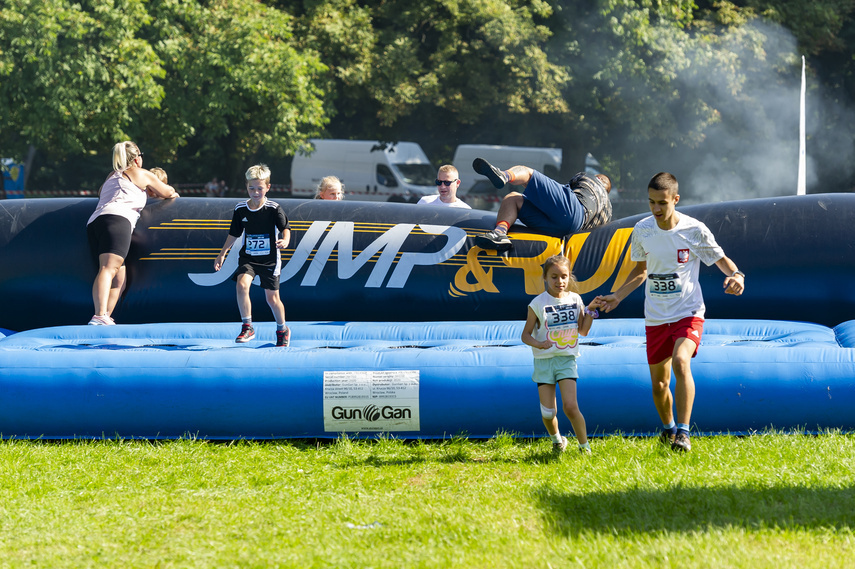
(608, 302)
(546, 344)
(281, 244)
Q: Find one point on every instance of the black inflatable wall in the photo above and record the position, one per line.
(361, 261)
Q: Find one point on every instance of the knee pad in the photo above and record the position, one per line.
(547, 412)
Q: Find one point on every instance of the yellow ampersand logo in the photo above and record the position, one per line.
(475, 267)
(483, 279)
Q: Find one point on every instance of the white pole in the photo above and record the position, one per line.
(802, 185)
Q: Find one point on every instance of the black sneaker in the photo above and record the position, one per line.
(283, 337)
(494, 240)
(681, 442)
(496, 176)
(667, 436)
(247, 333)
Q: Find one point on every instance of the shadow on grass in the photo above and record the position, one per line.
(686, 509)
(457, 456)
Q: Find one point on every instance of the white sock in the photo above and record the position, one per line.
(556, 438)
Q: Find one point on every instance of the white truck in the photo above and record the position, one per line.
(369, 170)
(478, 191)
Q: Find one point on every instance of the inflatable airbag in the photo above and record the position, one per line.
(411, 380)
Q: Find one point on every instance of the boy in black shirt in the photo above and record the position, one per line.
(264, 228)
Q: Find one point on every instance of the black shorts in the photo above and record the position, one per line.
(109, 234)
(266, 274)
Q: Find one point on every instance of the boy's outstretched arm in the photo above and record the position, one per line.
(636, 278)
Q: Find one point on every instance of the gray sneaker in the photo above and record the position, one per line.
(559, 447)
(681, 442)
(494, 240)
(496, 176)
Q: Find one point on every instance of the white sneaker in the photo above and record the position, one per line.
(559, 447)
(101, 321)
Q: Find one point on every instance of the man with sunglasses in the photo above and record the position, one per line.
(545, 205)
(447, 182)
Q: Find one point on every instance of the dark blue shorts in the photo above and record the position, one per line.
(551, 207)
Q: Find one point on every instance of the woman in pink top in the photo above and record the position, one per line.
(121, 199)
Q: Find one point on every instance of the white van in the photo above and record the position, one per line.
(478, 191)
(369, 170)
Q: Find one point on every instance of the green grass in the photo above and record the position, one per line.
(771, 500)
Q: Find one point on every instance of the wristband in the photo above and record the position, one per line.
(738, 272)
(592, 313)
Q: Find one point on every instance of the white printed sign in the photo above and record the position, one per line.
(371, 401)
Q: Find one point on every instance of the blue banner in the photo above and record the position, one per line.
(13, 178)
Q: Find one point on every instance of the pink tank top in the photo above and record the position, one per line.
(120, 196)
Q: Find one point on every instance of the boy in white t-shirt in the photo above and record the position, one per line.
(668, 248)
(556, 319)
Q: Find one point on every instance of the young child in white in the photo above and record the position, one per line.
(556, 319)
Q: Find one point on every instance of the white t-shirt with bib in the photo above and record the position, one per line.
(558, 322)
(673, 258)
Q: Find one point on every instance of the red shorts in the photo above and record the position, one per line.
(661, 339)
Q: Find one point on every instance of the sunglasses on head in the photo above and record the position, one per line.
(444, 182)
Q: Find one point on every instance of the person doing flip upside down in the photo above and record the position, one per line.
(545, 205)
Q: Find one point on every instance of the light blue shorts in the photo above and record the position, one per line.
(551, 370)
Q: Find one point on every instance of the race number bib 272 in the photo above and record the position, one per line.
(257, 245)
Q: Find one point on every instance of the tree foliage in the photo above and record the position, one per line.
(235, 83)
(707, 89)
(73, 74)
(438, 67)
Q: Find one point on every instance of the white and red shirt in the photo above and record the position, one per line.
(673, 257)
(558, 322)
